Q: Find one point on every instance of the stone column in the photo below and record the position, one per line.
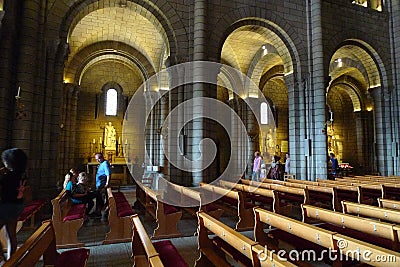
(8, 85)
(27, 70)
(201, 128)
(383, 130)
(317, 163)
(297, 128)
(394, 23)
(163, 161)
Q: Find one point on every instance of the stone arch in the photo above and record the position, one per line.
(355, 38)
(76, 66)
(255, 16)
(148, 10)
(354, 92)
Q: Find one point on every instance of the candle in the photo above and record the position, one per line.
(119, 140)
(19, 90)
(100, 140)
(94, 140)
(331, 116)
(126, 141)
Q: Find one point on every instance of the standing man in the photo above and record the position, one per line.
(335, 164)
(256, 167)
(103, 175)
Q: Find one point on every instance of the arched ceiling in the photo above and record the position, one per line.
(131, 25)
(357, 63)
(353, 72)
(244, 44)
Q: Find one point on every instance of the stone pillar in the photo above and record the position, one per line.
(317, 163)
(68, 127)
(8, 85)
(27, 67)
(202, 128)
(383, 140)
(163, 161)
(394, 10)
(297, 128)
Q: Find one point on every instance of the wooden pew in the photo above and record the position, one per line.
(287, 195)
(146, 253)
(67, 220)
(167, 216)
(391, 192)
(320, 196)
(43, 243)
(232, 202)
(371, 211)
(301, 235)
(371, 231)
(325, 194)
(118, 218)
(349, 248)
(191, 200)
(230, 243)
(365, 252)
(255, 194)
(389, 204)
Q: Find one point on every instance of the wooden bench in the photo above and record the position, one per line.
(391, 192)
(67, 220)
(258, 196)
(232, 202)
(191, 200)
(349, 248)
(301, 235)
(43, 243)
(370, 231)
(389, 204)
(228, 242)
(371, 211)
(146, 253)
(166, 216)
(118, 218)
(366, 252)
(287, 196)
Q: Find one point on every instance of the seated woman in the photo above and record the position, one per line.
(80, 193)
(72, 173)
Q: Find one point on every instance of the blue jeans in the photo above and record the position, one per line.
(255, 176)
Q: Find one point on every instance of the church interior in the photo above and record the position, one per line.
(179, 96)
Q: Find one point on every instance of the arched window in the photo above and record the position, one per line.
(111, 102)
(264, 113)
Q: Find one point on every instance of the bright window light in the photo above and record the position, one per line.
(111, 102)
(264, 113)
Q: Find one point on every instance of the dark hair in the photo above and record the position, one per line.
(15, 159)
(277, 158)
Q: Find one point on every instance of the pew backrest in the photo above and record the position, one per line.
(366, 252)
(389, 204)
(43, 243)
(143, 249)
(241, 243)
(292, 226)
(371, 227)
(371, 211)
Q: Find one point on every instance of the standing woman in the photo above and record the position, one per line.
(12, 189)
